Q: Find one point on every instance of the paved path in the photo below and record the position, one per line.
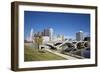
(62, 55)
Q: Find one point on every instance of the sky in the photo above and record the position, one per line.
(66, 24)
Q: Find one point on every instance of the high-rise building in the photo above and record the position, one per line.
(31, 34)
(46, 32)
(79, 36)
(42, 33)
(39, 34)
(51, 34)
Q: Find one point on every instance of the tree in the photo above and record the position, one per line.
(87, 44)
(38, 41)
(80, 45)
(87, 39)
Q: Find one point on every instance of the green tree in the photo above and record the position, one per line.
(38, 41)
(87, 44)
(80, 45)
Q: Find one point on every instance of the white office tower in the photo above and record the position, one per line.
(51, 34)
(80, 36)
(31, 34)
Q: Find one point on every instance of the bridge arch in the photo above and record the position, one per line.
(68, 44)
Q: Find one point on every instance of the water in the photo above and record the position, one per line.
(86, 53)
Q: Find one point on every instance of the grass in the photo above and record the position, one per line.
(31, 54)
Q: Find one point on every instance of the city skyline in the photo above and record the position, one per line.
(66, 24)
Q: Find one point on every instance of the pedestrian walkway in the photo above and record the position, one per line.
(62, 55)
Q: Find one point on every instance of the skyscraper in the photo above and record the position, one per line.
(31, 34)
(51, 34)
(79, 36)
(46, 32)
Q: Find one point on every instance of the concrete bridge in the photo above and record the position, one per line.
(59, 47)
(59, 44)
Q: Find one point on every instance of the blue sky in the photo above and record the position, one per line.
(66, 24)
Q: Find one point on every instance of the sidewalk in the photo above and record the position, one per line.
(62, 55)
